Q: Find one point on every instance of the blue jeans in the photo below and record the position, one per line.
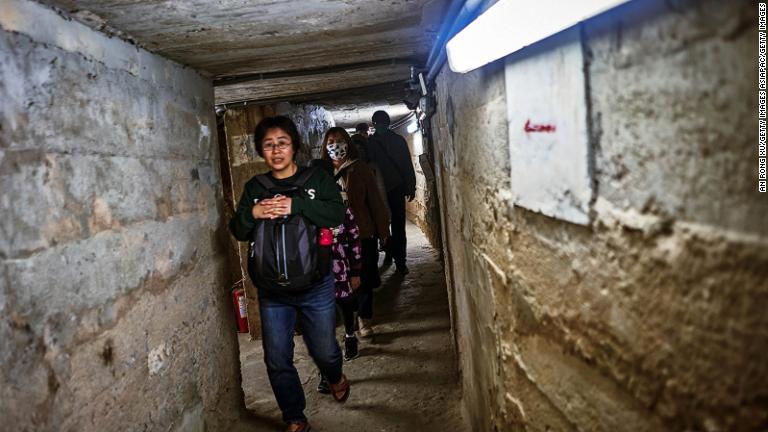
(317, 307)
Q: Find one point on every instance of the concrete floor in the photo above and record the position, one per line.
(405, 378)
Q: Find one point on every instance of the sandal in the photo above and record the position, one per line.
(340, 391)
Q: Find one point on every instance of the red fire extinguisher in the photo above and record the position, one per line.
(241, 314)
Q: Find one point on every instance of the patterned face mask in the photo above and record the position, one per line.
(337, 151)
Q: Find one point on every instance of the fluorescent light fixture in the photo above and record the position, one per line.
(511, 25)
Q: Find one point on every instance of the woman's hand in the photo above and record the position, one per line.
(354, 282)
(272, 208)
(261, 210)
(281, 205)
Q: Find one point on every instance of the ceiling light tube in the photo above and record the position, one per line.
(510, 25)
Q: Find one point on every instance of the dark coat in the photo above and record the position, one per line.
(361, 144)
(390, 152)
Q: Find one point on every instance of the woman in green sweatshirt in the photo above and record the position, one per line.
(277, 141)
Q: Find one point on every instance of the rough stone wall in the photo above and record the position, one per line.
(653, 316)
(243, 162)
(312, 121)
(113, 308)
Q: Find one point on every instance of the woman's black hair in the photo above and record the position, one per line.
(277, 122)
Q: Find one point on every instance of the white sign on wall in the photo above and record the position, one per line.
(548, 135)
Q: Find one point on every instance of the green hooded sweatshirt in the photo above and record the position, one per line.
(320, 203)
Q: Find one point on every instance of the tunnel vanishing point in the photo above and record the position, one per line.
(594, 195)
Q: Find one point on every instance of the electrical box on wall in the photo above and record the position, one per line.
(548, 134)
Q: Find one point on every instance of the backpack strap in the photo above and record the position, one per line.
(304, 176)
(270, 186)
(265, 182)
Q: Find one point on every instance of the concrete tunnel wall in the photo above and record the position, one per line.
(114, 313)
(652, 317)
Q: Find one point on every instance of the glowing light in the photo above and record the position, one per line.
(418, 145)
(511, 25)
(412, 127)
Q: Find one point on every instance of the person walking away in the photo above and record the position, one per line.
(390, 153)
(359, 190)
(280, 214)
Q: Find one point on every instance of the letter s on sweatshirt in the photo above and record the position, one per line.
(311, 193)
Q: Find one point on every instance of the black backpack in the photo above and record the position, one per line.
(284, 253)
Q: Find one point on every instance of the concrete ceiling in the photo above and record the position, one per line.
(265, 50)
(296, 87)
(350, 115)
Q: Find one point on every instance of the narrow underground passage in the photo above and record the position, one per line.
(595, 189)
(405, 376)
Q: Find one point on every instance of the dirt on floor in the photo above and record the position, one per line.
(406, 376)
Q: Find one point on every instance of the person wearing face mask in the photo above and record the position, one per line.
(360, 192)
(390, 153)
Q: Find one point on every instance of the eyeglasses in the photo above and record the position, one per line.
(272, 147)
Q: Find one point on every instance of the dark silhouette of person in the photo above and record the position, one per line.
(360, 141)
(389, 151)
